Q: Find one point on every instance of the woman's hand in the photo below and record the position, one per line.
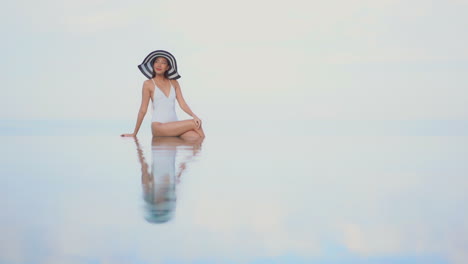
(197, 121)
(128, 135)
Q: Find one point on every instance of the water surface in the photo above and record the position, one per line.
(305, 193)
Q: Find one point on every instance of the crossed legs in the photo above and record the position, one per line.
(185, 129)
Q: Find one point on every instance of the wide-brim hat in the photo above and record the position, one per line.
(146, 67)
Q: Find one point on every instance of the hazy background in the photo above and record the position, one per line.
(329, 187)
(239, 60)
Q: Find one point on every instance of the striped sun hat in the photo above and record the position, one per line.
(146, 67)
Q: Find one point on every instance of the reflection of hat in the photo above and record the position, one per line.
(159, 213)
(160, 202)
(146, 67)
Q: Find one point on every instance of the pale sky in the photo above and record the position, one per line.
(239, 60)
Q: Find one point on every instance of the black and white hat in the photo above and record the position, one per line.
(146, 67)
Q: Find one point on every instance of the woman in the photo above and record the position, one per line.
(160, 67)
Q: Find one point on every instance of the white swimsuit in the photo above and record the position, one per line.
(164, 106)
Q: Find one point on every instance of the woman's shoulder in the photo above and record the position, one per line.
(148, 84)
(175, 83)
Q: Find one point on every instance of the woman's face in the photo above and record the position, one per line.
(161, 65)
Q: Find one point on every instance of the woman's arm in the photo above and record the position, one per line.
(146, 177)
(183, 105)
(180, 99)
(145, 97)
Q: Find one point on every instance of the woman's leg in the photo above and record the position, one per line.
(172, 129)
(200, 132)
(194, 134)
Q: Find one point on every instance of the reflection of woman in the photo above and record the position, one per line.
(163, 89)
(159, 183)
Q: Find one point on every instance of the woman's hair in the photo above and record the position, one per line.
(166, 72)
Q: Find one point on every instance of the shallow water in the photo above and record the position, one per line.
(342, 192)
